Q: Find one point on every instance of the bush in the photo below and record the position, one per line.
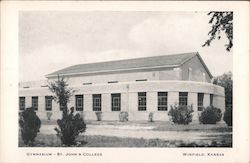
(49, 114)
(151, 117)
(70, 126)
(228, 116)
(123, 116)
(98, 115)
(181, 114)
(210, 115)
(29, 124)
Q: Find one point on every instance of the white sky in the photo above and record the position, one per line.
(49, 41)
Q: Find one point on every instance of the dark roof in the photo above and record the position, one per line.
(147, 62)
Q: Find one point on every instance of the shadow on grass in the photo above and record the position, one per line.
(43, 140)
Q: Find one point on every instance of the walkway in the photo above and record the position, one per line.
(145, 132)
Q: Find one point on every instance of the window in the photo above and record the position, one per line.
(141, 80)
(200, 101)
(116, 101)
(142, 101)
(183, 98)
(61, 107)
(22, 103)
(48, 103)
(86, 83)
(97, 102)
(35, 102)
(110, 82)
(162, 101)
(211, 99)
(79, 102)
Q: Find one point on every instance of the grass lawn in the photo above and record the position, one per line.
(43, 140)
(222, 138)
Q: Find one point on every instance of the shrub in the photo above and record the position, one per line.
(181, 114)
(29, 124)
(123, 116)
(210, 115)
(151, 117)
(228, 116)
(70, 126)
(49, 114)
(98, 115)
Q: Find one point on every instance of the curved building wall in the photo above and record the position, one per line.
(129, 98)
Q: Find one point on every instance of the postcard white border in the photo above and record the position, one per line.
(9, 85)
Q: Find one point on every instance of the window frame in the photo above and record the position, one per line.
(33, 100)
(162, 101)
(46, 103)
(77, 106)
(183, 98)
(211, 99)
(200, 101)
(142, 101)
(22, 107)
(115, 105)
(98, 97)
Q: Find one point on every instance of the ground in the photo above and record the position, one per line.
(141, 134)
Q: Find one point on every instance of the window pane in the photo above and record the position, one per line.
(35, 102)
(79, 102)
(211, 99)
(48, 103)
(183, 98)
(22, 103)
(97, 102)
(162, 101)
(116, 102)
(200, 101)
(142, 101)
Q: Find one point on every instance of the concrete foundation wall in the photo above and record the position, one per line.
(129, 98)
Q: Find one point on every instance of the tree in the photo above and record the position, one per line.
(221, 21)
(226, 81)
(70, 125)
(30, 124)
(62, 93)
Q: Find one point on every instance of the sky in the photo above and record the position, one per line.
(52, 40)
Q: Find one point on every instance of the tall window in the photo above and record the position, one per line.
(211, 99)
(162, 101)
(48, 103)
(97, 102)
(35, 102)
(22, 103)
(142, 101)
(200, 101)
(183, 98)
(116, 101)
(79, 102)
